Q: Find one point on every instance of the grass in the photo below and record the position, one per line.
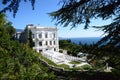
(65, 66)
(74, 62)
(76, 68)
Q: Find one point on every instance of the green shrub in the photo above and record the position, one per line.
(61, 51)
(86, 67)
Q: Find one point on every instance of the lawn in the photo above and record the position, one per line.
(74, 62)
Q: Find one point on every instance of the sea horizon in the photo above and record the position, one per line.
(82, 40)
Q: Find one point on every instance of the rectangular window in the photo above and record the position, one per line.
(50, 42)
(50, 35)
(54, 35)
(40, 35)
(54, 42)
(33, 43)
(54, 49)
(46, 35)
(46, 43)
(40, 50)
(40, 43)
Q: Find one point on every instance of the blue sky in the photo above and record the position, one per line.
(26, 15)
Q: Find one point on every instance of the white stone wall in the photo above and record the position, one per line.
(44, 38)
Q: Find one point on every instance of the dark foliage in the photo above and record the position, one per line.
(18, 61)
(13, 5)
(81, 11)
(30, 40)
(76, 12)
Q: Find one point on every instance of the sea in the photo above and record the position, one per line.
(83, 40)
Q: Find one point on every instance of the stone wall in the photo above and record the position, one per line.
(63, 74)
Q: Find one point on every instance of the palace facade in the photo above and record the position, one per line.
(44, 38)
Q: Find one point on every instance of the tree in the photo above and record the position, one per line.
(13, 5)
(77, 12)
(18, 61)
(2, 19)
(10, 29)
(30, 40)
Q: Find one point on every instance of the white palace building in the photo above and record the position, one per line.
(45, 41)
(44, 38)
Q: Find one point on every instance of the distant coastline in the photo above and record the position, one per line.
(19, 30)
(83, 40)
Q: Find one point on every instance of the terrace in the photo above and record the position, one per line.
(60, 58)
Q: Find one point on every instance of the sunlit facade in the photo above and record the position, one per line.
(44, 38)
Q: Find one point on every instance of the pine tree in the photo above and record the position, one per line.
(30, 40)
